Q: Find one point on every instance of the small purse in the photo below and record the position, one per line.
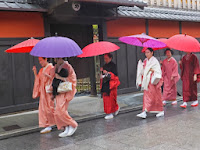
(155, 79)
(48, 88)
(64, 87)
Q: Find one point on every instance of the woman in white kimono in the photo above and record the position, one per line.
(149, 77)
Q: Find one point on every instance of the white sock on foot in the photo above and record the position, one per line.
(142, 115)
(71, 130)
(160, 114)
(109, 116)
(65, 133)
(46, 130)
(195, 102)
(174, 102)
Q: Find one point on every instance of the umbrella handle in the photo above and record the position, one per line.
(181, 55)
(159, 55)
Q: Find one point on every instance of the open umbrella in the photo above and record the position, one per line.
(98, 48)
(23, 47)
(56, 47)
(155, 49)
(142, 40)
(183, 42)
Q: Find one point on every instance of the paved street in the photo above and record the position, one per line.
(178, 130)
(79, 108)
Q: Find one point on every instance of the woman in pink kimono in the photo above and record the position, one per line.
(62, 118)
(46, 105)
(150, 75)
(171, 77)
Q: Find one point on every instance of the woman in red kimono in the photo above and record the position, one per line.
(170, 77)
(109, 84)
(189, 70)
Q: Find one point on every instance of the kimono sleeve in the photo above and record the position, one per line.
(71, 78)
(175, 69)
(196, 65)
(163, 68)
(36, 87)
(114, 81)
(182, 64)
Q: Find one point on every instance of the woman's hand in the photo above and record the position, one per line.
(60, 78)
(57, 76)
(195, 77)
(101, 69)
(105, 72)
(47, 75)
(180, 62)
(151, 70)
(161, 62)
(34, 70)
(172, 78)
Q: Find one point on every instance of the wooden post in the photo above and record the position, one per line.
(198, 4)
(170, 3)
(179, 4)
(175, 3)
(189, 4)
(158, 3)
(165, 3)
(184, 4)
(152, 2)
(194, 6)
(93, 77)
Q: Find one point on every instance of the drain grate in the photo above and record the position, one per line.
(12, 127)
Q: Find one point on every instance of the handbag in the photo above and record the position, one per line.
(48, 89)
(64, 87)
(155, 78)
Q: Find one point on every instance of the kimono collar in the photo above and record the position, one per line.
(61, 66)
(44, 68)
(169, 59)
(149, 60)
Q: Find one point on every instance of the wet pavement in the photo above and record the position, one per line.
(79, 108)
(178, 130)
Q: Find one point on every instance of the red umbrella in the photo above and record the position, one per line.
(161, 40)
(23, 47)
(184, 43)
(98, 48)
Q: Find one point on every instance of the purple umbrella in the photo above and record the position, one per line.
(142, 40)
(56, 47)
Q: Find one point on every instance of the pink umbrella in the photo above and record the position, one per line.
(155, 49)
(142, 40)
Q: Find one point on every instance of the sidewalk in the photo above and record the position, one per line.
(81, 108)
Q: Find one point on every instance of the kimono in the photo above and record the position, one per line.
(152, 99)
(61, 115)
(189, 67)
(109, 88)
(170, 69)
(46, 105)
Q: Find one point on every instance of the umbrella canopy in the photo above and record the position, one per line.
(98, 48)
(23, 47)
(56, 47)
(155, 49)
(142, 40)
(184, 43)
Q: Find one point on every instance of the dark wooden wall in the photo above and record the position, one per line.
(126, 59)
(16, 79)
